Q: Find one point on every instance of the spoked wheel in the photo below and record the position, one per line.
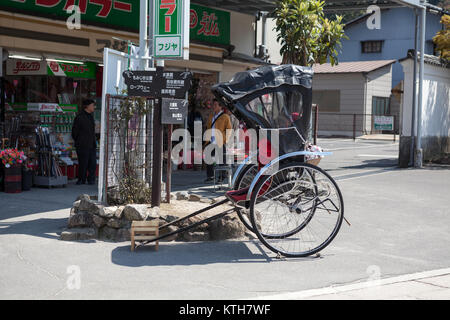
(244, 180)
(301, 212)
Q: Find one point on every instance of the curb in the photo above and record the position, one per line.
(356, 286)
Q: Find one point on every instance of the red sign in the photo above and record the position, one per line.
(16, 67)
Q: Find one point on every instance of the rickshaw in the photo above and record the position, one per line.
(294, 207)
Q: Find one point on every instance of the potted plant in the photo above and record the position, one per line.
(12, 160)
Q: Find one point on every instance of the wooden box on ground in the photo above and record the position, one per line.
(144, 230)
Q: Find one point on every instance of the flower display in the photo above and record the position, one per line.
(11, 157)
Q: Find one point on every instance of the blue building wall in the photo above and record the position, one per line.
(397, 32)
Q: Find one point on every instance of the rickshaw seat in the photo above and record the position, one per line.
(237, 195)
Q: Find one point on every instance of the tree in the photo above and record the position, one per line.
(305, 34)
(442, 38)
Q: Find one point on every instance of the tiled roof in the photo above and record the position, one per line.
(351, 67)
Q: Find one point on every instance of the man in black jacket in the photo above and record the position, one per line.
(83, 133)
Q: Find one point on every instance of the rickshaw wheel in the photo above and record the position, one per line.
(244, 180)
(301, 212)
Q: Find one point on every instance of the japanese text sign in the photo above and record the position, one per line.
(173, 111)
(171, 29)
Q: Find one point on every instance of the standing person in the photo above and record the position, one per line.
(83, 133)
(220, 121)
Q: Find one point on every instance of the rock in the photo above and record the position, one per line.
(96, 207)
(194, 197)
(192, 220)
(108, 233)
(182, 195)
(98, 221)
(83, 197)
(78, 234)
(124, 223)
(119, 212)
(114, 223)
(196, 236)
(166, 218)
(153, 213)
(205, 200)
(229, 227)
(133, 212)
(169, 229)
(107, 212)
(80, 220)
(123, 234)
(76, 204)
(90, 206)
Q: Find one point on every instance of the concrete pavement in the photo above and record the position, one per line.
(400, 222)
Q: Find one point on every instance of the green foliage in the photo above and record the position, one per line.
(442, 38)
(305, 34)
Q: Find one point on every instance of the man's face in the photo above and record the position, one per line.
(216, 107)
(90, 108)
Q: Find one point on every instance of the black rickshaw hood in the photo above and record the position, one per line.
(252, 82)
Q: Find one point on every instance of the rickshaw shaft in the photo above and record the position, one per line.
(195, 213)
(219, 215)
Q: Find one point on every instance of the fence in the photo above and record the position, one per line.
(353, 124)
(128, 147)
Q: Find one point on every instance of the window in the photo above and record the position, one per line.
(380, 106)
(327, 100)
(371, 46)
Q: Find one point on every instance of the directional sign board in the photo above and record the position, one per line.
(157, 84)
(175, 84)
(142, 83)
(173, 111)
(171, 29)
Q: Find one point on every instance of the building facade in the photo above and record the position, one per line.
(391, 41)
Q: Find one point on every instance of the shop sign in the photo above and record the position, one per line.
(209, 25)
(383, 123)
(123, 14)
(170, 29)
(86, 70)
(173, 111)
(44, 107)
(17, 67)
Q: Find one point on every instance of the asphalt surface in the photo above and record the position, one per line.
(400, 222)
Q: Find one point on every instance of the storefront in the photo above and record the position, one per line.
(49, 68)
(47, 94)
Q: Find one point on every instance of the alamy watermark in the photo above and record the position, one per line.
(74, 20)
(73, 281)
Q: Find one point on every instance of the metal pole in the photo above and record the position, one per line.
(354, 126)
(316, 122)
(143, 33)
(414, 105)
(157, 149)
(169, 162)
(419, 155)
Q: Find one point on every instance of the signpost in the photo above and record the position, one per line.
(159, 84)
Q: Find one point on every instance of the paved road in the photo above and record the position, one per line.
(400, 223)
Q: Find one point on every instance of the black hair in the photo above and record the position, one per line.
(87, 102)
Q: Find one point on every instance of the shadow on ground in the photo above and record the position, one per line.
(196, 253)
(40, 200)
